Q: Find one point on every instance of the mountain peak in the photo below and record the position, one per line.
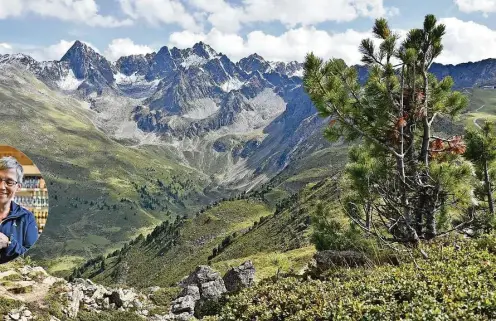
(253, 62)
(256, 56)
(21, 58)
(203, 50)
(78, 43)
(163, 50)
(89, 65)
(79, 48)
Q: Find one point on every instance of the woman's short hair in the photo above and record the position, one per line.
(9, 162)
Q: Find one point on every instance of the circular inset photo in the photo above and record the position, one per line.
(23, 203)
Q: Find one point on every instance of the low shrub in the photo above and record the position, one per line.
(457, 282)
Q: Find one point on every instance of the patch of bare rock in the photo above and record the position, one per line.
(201, 290)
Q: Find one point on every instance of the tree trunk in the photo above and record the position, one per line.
(427, 195)
(411, 160)
(429, 212)
(367, 216)
(488, 188)
(419, 214)
(405, 202)
(424, 152)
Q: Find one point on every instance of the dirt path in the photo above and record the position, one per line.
(476, 119)
(36, 290)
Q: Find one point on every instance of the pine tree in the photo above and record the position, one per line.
(401, 176)
(481, 150)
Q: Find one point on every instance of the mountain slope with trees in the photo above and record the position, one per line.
(424, 197)
(101, 192)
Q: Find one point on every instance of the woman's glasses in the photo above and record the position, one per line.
(9, 182)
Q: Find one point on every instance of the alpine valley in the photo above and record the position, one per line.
(153, 161)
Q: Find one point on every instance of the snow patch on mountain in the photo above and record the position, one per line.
(273, 65)
(268, 104)
(193, 60)
(266, 107)
(134, 79)
(136, 86)
(297, 73)
(232, 84)
(69, 81)
(122, 79)
(210, 51)
(205, 107)
(48, 64)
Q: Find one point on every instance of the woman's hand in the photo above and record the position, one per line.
(4, 241)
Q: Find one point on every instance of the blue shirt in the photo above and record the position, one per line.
(20, 227)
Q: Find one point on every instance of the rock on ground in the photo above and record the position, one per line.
(240, 277)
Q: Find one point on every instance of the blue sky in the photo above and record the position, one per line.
(276, 29)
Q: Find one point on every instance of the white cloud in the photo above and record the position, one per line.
(125, 47)
(485, 6)
(10, 8)
(460, 44)
(52, 52)
(81, 11)
(228, 18)
(466, 41)
(221, 14)
(159, 11)
(294, 44)
(5, 48)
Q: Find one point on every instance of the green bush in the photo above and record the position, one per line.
(487, 242)
(331, 232)
(108, 316)
(165, 296)
(452, 285)
(208, 308)
(6, 305)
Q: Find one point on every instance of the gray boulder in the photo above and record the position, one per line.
(184, 304)
(191, 290)
(202, 274)
(209, 283)
(77, 296)
(201, 288)
(240, 277)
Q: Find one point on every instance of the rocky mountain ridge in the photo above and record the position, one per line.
(240, 122)
(208, 111)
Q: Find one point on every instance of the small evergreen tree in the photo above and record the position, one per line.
(402, 177)
(481, 150)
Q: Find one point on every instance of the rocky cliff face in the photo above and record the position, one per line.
(468, 74)
(92, 68)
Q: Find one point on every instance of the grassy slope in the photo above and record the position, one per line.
(273, 241)
(482, 106)
(164, 262)
(282, 241)
(87, 173)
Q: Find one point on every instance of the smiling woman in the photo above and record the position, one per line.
(23, 206)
